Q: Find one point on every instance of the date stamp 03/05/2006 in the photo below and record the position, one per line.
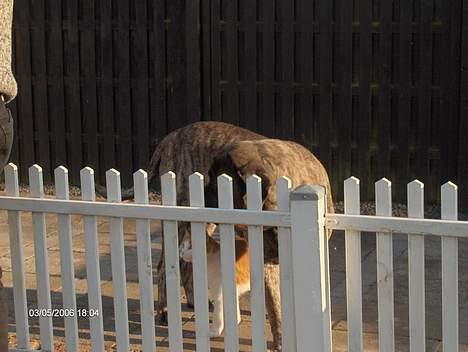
(63, 312)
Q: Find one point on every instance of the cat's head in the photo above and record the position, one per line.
(185, 247)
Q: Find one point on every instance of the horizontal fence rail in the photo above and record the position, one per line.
(150, 211)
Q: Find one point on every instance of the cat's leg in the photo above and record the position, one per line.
(217, 325)
(273, 303)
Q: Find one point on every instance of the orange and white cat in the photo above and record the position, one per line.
(215, 286)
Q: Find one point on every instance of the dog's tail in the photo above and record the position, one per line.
(153, 172)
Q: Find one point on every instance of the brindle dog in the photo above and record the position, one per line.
(268, 159)
(184, 151)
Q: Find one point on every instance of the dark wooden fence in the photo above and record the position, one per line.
(374, 87)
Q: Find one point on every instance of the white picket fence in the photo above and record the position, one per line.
(303, 252)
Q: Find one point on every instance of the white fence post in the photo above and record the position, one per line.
(416, 286)
(310, 269)
(145, 267)
(171, 252)
(384, 245)
(119, 279)
(352, 202)
(283, 187)
(200, 269)
(93, 271)
(257, 278)
(449, 211)
(42, 260)
(66, 261)
(17, 261)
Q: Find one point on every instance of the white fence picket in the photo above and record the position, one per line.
(449, 210)
(17, 261)
(283, 187)
(200, 276)
(311, 286)
(119, 281)
(41, 259)
(228, 269)
(257, 279)
(66, 261)
(145, 266)
(353, 268)
(171, 251)
(93, 273)
(417, 306)
(384, 244)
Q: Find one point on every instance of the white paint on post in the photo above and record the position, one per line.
(449, 211)
(417, 305)
(41, 259)
(66, 261)
(257, 277)
(283, 187)
(200, 276)
(313, 325)
(228, 269)
(171, 250)
(145, 266)
(119, 281)
(352, 203)
(93, 272)
(384, 244)
(17, 261)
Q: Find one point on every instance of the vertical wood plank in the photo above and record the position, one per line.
(449, 211)
(192, 47)
(365, 60)
(343, 85)
(72, 91)
(55, 76)
(171, 250)
(200, 276)
(384, 244)
(94, 103)
(140, 43)
(41, 259)
(249, 24)
(313, 323)
(283, 186)
(463, 126)
(404, 92)
(145, 267)
(106, 92)
(285, 128)
(122, 94)
(325, 77)
(228, 269)
(93, 271)
(66, 261)
(119, 280)
(352, 203)
(257, 277)
(417, 302)
(17, 261)
(268, 60)
(231, 93)
(40, 87)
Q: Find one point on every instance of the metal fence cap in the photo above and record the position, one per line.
(308, 192)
